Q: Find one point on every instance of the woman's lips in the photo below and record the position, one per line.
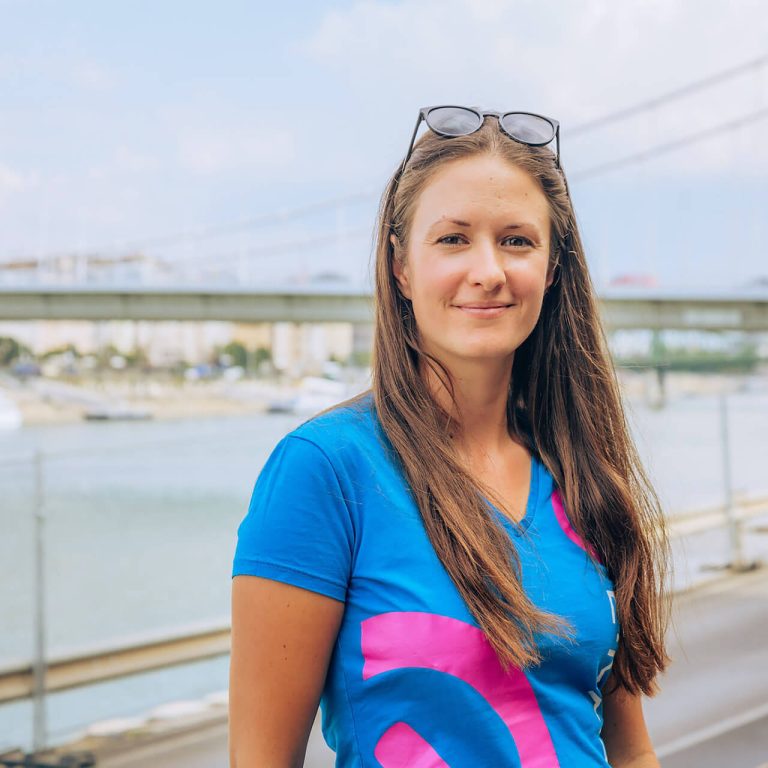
(487, 312)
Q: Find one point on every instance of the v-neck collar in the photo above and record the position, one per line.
(521, 526)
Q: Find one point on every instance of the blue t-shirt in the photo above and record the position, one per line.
(413, 681)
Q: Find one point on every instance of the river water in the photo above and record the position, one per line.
(141, 518)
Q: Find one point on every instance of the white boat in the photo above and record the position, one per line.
(314, 394)
(10, 415)
(116, 413)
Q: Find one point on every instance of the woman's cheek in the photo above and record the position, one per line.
(526, 283)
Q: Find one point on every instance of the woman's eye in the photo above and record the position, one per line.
(525, 240)
(448, 237)
(518, 237)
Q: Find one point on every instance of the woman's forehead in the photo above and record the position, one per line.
(479, 191)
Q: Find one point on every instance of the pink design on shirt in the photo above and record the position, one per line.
(565, 524)
(402, 747)
(418, 639)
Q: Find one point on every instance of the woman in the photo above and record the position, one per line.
(466, 564)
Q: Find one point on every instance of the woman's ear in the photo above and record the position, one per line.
(550, 278)
(399, 267)
(551, 275)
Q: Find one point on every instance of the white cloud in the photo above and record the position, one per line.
(72, 69)
(9, 179)
(129, 160)
(208, 150)
(91, 76)
(125, 161)
(574, 60)
(13, 182)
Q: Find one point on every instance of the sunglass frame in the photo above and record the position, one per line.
(482, 114)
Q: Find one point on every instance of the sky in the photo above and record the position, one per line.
(220, 138)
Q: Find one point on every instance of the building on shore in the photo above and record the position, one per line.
(296, 349)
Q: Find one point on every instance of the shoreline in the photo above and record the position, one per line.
(52, 401)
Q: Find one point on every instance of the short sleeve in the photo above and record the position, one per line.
(297, 528)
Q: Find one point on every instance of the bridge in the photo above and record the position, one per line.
(622, 309)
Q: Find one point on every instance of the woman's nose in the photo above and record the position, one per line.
(486, 266)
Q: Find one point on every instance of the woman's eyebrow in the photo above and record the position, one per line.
(461, 223)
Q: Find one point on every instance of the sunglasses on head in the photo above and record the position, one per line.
(525, 127)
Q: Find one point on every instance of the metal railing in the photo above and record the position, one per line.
(33, 679)
(19, 681)
(18, 759)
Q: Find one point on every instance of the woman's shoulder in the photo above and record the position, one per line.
(343, 427)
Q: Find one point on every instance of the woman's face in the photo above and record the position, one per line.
(476, 266)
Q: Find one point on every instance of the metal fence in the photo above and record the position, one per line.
(111, 541)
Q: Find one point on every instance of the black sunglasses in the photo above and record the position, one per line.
(525, 127)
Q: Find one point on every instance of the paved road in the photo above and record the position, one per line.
(205, 747)
(719, 674)
(712, 711)
(746, 746)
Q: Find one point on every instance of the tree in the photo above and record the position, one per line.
(237, 353)
(11, 350)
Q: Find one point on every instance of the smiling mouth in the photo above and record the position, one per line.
(475, 311)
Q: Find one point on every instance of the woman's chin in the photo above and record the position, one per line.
(485, 353)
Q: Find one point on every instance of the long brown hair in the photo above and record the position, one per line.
(564, 404)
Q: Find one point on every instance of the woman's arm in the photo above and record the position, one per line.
(624, 733)
(282, 639)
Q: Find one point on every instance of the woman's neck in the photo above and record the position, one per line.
(479, 416)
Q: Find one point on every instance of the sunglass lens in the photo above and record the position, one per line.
(528, 128)
(453, 121)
